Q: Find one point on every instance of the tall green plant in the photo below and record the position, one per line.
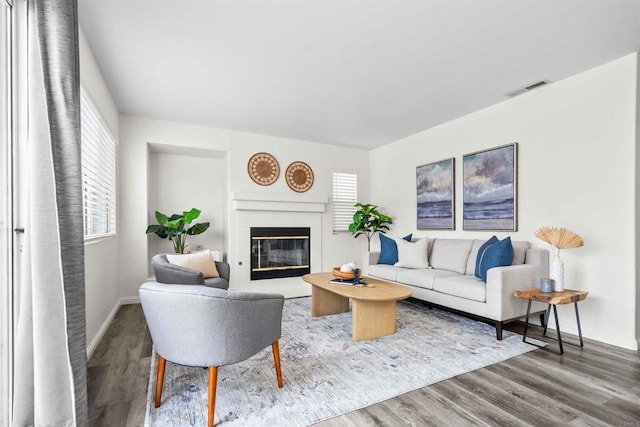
(367, 221)
(177, 228)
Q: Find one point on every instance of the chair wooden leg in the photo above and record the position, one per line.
(213, 381)
(276, 359)
(159, 379)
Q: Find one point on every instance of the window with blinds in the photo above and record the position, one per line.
(345, 195)
(98, 172)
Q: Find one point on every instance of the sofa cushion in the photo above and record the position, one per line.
(383, 271)
(201, 261)
(422, 278)
(493, 240)
(471, 262)
(389, 249)
(519, 251)
(412, 254)
(451, 254)
(463, 286)
(497, 255)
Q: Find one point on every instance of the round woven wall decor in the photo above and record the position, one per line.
(263, 168)
(299, 176)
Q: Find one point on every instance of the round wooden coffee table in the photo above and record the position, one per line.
(374, 306)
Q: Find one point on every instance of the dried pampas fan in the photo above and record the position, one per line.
(559, 238)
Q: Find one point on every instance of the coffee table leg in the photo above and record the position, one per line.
(578, 320)
(555, 314)
(373, 319)
(324, 302)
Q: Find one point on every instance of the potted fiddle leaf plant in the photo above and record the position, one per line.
(367, 221)
(177, 227)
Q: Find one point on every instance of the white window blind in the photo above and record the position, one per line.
(345, 194)
(98, 172)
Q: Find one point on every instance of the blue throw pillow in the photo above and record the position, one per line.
(483, 248)
(389, 249)
(497, 255)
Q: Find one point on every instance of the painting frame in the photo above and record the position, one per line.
(490, 189)
(435, 195)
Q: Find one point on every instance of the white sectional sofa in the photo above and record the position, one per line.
(450, 281)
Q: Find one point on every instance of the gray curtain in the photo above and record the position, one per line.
(50, 356)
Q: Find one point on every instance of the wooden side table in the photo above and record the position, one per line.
(552, 299)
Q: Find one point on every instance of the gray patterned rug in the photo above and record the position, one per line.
(326, 374)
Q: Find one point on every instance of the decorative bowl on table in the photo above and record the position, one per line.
(348, 275)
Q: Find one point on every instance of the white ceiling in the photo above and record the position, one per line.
(356, 73)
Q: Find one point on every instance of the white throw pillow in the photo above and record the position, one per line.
(201, 261)
(412, 254)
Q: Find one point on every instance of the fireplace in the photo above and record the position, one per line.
(280, 252)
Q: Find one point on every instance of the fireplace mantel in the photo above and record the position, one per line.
(241, 201)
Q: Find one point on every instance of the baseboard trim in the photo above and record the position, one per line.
(103, 329)
(629, 345)
(632, 344)
(129, 300)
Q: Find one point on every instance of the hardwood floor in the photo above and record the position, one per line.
(118, 371)
(594, 386)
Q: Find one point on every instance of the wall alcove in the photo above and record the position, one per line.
(181, 178)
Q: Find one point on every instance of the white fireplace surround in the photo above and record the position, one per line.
(278, 202)
(273, 210)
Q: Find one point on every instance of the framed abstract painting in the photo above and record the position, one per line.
(435, 184)
(490, 189)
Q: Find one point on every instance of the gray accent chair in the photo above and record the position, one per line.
(166, 272)
(208, 327)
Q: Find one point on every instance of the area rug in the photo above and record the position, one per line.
(326, 374)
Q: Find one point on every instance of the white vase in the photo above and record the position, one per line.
(556, 272)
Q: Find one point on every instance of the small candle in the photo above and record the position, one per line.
(546, 285)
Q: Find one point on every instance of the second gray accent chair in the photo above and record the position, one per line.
(208, 327)
(166, 272)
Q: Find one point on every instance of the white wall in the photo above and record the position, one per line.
(93, 82)
(137, 133)
(179, 183)
(577, 160)
(102, 292)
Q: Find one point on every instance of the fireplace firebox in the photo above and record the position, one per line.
(278, 252)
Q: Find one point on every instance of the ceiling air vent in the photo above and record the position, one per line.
(528, 88)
